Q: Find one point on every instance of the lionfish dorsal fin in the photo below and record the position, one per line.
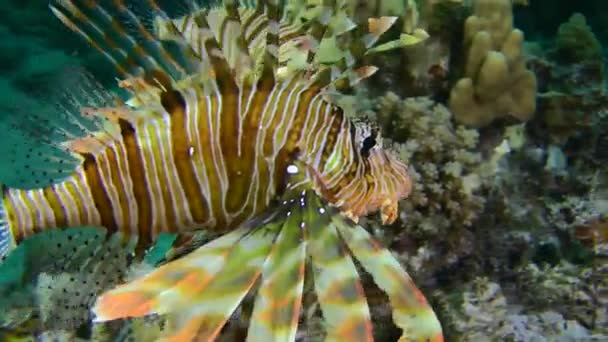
(126, 41)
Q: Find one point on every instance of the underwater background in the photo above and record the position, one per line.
(506, 229)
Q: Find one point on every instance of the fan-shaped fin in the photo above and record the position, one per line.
(107, 32)
(207, 311)
(163, 289)
(277, 304)
(337, 282)
(56, 274)
(43, 136)
(411, 311)
(199, 291)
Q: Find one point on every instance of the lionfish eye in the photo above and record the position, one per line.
(368, 143)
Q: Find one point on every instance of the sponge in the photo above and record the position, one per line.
(496, 82)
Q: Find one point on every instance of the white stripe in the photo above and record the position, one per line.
(180, 203)
(43, 206)
(127, 182)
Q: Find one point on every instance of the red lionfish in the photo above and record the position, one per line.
(230, 126)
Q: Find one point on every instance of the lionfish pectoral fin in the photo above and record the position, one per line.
(278, 300)
(337, 283)
(197, 292)
(411, 311)
(165, 287)
(47, 136)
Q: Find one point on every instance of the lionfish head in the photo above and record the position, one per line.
(383, 182)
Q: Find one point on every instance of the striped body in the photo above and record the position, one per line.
(212, 154)
(189, 168)
(192, 168)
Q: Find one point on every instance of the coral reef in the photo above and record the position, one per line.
(575, 41)
(572, 100)
(449, 178)
(495, 81)
(482, 312)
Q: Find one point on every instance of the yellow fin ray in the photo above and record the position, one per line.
(411, 311)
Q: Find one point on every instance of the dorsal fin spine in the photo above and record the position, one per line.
(222, 71)
(74, 27)
(242, 62)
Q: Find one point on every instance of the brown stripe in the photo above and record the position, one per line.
(100, 196)
(332, 134)
(137, 172)
(240, 168)
(59, 210)
(175, 105)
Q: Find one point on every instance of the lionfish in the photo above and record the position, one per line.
(230, 125)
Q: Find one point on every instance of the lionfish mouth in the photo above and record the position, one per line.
(199, 292)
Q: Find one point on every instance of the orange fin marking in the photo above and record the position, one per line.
(389, 211)
(115, 304)
(88, 144)
(111, 113)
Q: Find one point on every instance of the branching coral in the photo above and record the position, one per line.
(495, 81)
(575, 42)
(443, 163)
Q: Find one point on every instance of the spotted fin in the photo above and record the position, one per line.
(45, 137)
(411, 311)
(52, 278)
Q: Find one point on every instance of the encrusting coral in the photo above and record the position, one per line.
(482, 311)
(495, 80)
